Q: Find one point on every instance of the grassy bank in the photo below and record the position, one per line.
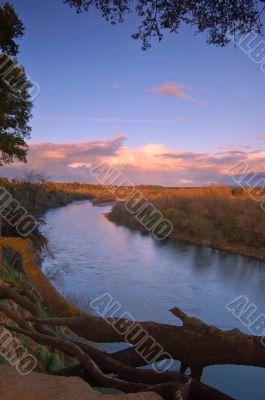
(48, 361)
(219, 217)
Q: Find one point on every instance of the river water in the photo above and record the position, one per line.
(93, 256)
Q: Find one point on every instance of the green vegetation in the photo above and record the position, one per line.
(51, 361)
(3, 361)
(8, 273)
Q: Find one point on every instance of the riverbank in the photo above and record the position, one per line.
(232, 221)
(236, 249)
(15, 284)
(219, 217)
(36, 198)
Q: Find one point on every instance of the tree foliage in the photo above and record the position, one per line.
(218, 19)
(15, 103)
(15, 111)
(11, 29)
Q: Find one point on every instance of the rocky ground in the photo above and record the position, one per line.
(14, 386)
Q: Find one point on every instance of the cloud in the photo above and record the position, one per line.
(56, 158)
(176, 90)
(152, 163)
(176, 121)
(116, 85)
(261, 137)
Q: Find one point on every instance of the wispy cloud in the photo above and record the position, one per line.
(116, 85)
(152, 163)
(59, 119)
(176, 90)
(261, 137)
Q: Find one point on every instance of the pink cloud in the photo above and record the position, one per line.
(175, 90)
(261, 137)
(152, 163)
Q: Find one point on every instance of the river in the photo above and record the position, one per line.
(93, 256)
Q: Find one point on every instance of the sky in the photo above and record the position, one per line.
(181, 113)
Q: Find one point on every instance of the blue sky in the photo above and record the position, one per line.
(96, 83)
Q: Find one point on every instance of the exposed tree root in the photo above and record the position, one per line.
(196, 344)
(167, 390)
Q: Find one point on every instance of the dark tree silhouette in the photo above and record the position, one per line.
(15, 111)
(11, 29)
(15, 104)
(218, 18)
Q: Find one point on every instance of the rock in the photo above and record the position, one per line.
(35, 386)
